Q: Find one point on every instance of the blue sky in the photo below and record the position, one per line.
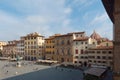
(48, 17)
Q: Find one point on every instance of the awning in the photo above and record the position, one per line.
(95, 71)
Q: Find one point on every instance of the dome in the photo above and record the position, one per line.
(95, 36)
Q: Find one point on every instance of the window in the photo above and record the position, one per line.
(68, 42)
(93, 57)
(76, 57)
(62, 42)
(34, 51)
(89, 61)
(76, 51)
(75, 61)
(86, 57)
(34, 42)
(81, 42)
(93, 51)
(81, 35)
(93, 42)
(104, 57)
(57, 51)
(82, 57)
(99, 61)
(107, 44)
(67, 60)
(104, 61)
(57, 42)
(76, 35)
(53, 41)
(98, 51)
(68, 51)
(109, 57)
(62, 51)
(98, 57)
(76, 43)
(104, 52)
(85, 52)
(110, 52)
(81, 51)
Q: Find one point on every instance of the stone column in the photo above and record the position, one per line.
(116, 40)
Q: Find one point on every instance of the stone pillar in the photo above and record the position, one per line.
(116, 55)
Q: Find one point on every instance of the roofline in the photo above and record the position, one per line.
(70, 34)
(102, 48)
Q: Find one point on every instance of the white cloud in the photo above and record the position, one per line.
(7, 19)
(43, 16)
(99, 18)
(103, 25)
(82, 3)
(36, 19)
(68, 10)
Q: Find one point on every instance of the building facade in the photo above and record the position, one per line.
(50, 47)
(64, 46)
(80, 47)
(101, 55)
(10, 50)
(33, 46)
(20, 48)
(2, 43)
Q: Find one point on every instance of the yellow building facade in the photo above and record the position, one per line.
(33, 46)
(49, 47)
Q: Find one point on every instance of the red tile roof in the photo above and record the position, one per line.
(102, 48)
(81, 39)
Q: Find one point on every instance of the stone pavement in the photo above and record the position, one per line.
(8, 69)
(37, 72)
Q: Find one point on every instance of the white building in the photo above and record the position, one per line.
(80, 47)
(20, 48)
(2, 43)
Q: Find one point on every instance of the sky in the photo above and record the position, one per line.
(49, 17)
